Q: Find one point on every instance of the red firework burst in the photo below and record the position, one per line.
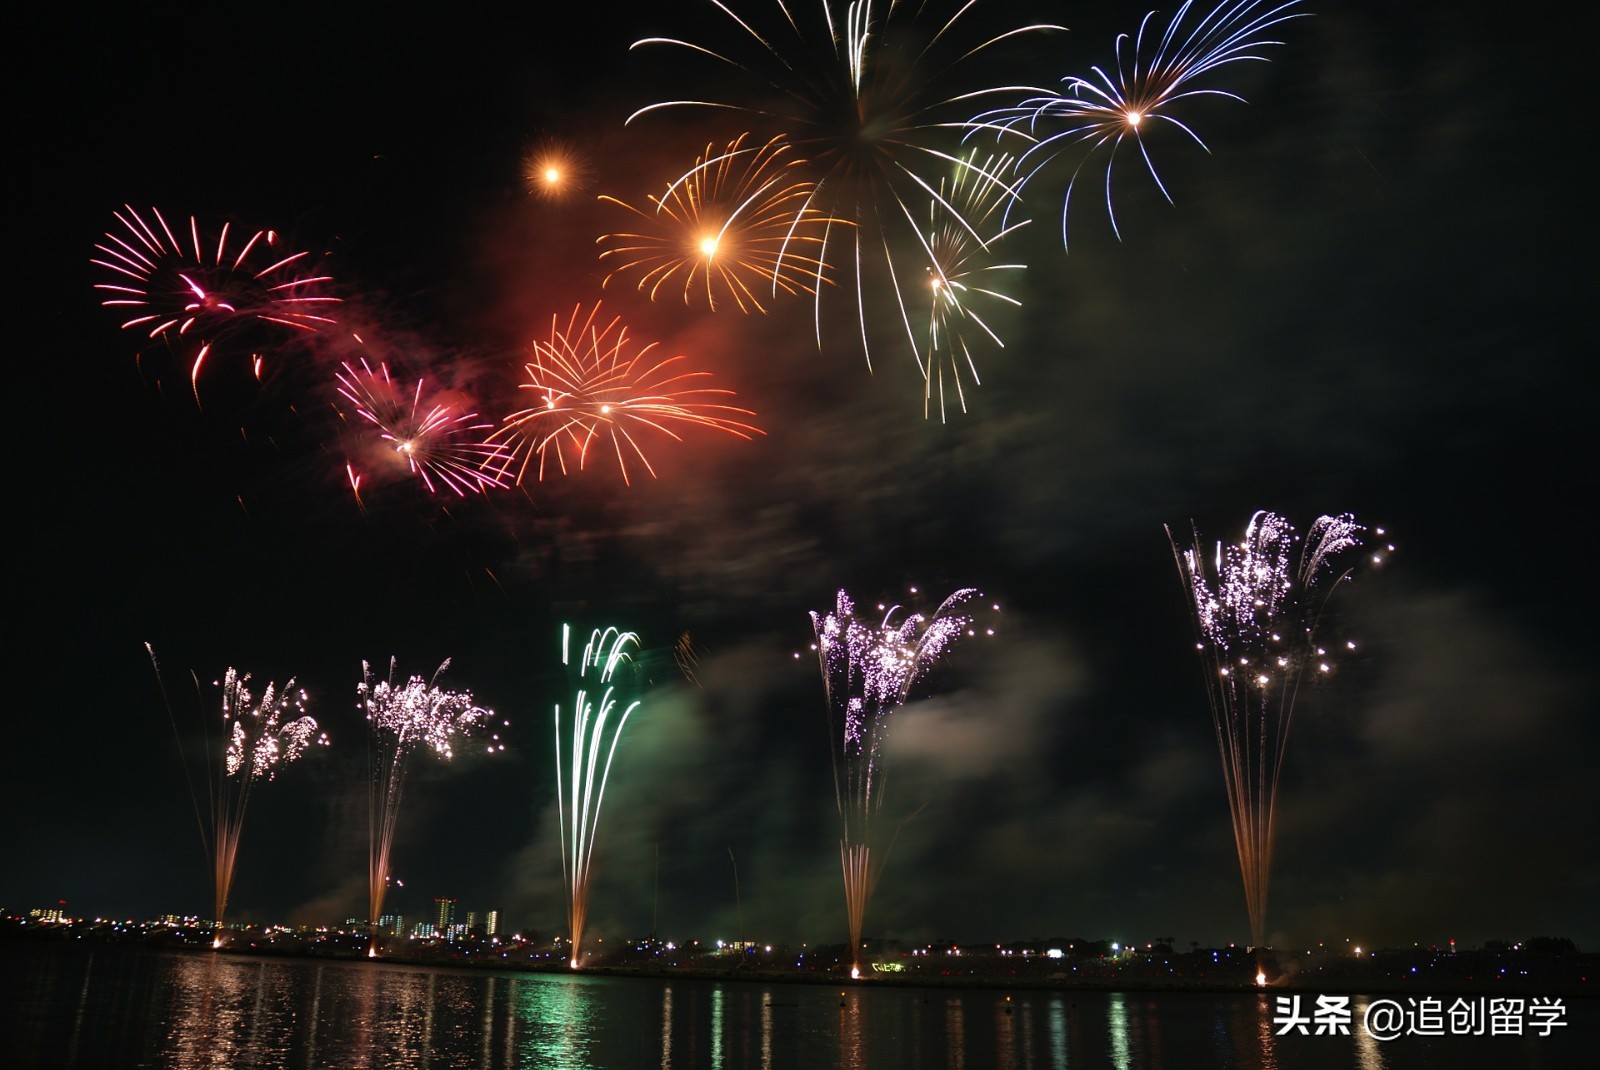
(195, 292)
(594, 383)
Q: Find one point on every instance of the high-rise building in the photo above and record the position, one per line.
(491, 923)
(445, 914)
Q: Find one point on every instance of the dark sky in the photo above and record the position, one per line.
(1367, 298)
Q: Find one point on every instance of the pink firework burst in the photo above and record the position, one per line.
(593, 383)
(441, 443)
(196, 292)
(869, 667)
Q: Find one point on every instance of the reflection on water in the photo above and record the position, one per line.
(1058, 1034)
(666, 1027)
(1368, 1048)
(555, 1024)
(111, 1008)
(1117, 1023)
(486, 1028)
(851, 1031)
(316, 1010)
(956, 1033)
(1005, 1040)
(716, 1028)
(1266, 1032)
(223, 1011)
(766, 1031)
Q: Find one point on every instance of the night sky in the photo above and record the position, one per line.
(1368, 298)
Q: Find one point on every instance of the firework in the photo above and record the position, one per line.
(554, 169)
(1256, 611)
(196, 292)
(873, 101)
(592, 382)
(1155, 77)
(737, 222)
(260, 736)
(584, 750)
(687, 658)
(400, 719)
(868, 671)
(441, 444)
(965, 221)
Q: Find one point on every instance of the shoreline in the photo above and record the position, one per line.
(1563, 976)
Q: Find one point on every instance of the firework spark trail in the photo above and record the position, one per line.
(401, 718)
(963, 274)
(1256, 612)
(868, 670)
(257, 741)
(872, 101)
(687, 657)
(438, 442)
(739, 219)
(1154, 77)
(194, 294)
(592, 732)
(591, 381)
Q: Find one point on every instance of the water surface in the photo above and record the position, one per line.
(111, 1007)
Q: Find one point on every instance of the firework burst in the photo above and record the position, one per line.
(585, 747)
(1156, 75)
(439, 443)
(1256, 609)
(740, 221)
(868, 671)
(554, 170)
(593, 383)
(964, 223)
(874, 101)
(259, 736)
(401, 718)
(198, 293)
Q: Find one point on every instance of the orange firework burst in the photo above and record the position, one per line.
(592, 381)
(554, 170)
(740, 220)
(874, 99)
(194, 292)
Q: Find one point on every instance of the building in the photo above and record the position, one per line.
(444, 914)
